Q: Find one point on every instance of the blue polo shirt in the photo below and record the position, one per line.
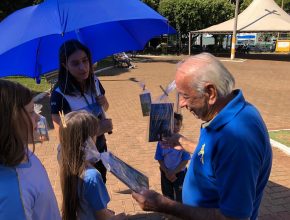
(232, 162)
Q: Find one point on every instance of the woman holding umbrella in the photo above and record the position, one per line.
(78, 89)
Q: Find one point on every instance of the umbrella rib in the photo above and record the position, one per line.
(63, 22)
(37, 70)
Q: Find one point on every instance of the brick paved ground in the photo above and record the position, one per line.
(264, 83)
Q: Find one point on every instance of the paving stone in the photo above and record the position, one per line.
(265, 83)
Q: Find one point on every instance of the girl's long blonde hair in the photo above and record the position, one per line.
(79, 126)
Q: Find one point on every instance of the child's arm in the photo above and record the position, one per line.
(162, 166)
(106, 214)
(169, 175)
(160, 157)
(179, 142)
(181, 166)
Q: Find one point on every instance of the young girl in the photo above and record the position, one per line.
(26, 192)
(172, 166)
(85, 196)
(77, 90)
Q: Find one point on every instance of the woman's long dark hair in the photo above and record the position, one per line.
(16, 125)
(79, 126)
(67, 83)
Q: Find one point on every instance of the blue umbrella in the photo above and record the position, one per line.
(30, 37)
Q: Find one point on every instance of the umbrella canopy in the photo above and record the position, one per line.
(30, 38)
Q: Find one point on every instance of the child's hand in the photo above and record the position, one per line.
(105, 126)
(170, 175)
(172, 142)
(101, 100)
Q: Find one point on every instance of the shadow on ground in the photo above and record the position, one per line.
(113, 72)
(250, 56)
(152, 216)
(141, 59)
(255, 56)
(155, 59)
(275, 203)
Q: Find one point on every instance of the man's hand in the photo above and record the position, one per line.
(120, 216)
(149, 200)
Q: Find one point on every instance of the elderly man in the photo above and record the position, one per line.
(232, 161)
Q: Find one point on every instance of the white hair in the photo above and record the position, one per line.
(206, 68)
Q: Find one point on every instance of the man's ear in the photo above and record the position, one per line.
(212, 93)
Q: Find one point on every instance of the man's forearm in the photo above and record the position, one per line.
(190, 213)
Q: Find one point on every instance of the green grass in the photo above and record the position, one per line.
(30, 83)
(104, 63)
(282, 136)
(44, 85)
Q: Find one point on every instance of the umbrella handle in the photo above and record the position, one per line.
(103, 111)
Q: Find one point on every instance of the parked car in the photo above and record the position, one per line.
(245, 48)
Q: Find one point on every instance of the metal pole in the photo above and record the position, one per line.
(234, 37)
(189, 43)
(282, 5)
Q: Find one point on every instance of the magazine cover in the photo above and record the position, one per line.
(161, 121)
(131, 177)
(145, 99)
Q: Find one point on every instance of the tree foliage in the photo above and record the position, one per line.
(152, 3)
(184, 15)
(9, 6)
(188, 15)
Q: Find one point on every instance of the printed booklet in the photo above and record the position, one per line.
(131, 177)
(161, 121)
(145, 99)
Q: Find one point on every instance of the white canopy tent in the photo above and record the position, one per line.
(259, 16)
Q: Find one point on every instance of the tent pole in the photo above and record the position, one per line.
(282, 6)
(234, 37)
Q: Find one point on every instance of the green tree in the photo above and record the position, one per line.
(7, 6)
(152, 3)
(166, 8)
(188, 15)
